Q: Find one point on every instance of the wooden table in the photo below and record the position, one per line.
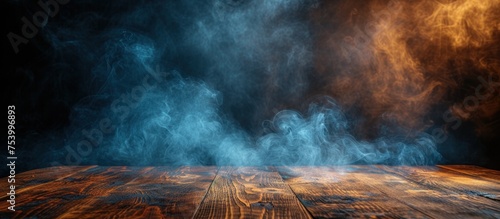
(255, 192)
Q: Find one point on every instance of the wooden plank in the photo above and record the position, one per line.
(250, 192)
(450, 181)
(163, 192)
(338, 192)
(39, 177)
(422, 200)
(480, 172)
(256, 192)
(444, 192)
(58, 197)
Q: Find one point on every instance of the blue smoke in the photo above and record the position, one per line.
(324, 138)
(179, 83)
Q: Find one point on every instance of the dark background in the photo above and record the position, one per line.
(49, 84)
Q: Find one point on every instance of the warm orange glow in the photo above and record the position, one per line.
(463, 23)
(394, 61)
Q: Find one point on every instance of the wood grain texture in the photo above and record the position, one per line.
(453, 194)
(476, 171)
(250, 192)
(162, 192)
(39, 177)
(339, 192)
(116, 192)
(63, 196)
(255, 192)
(447, 180)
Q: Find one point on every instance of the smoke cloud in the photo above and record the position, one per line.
(281, 82)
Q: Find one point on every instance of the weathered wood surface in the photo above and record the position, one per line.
(437, 199)
(449, 181)
(255, 192)
(159, 192)
(346, 192)
(110, 192)
(480, 172)
(40, 177)
(250, 192)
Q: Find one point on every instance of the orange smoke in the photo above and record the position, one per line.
(396, 61)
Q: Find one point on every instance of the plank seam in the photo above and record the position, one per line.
(467, 174)
(395, 198)
(206, 193)
(293, 192)
(471, 193)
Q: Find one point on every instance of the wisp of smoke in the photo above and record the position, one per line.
(215, 83)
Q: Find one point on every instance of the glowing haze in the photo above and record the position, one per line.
(281, 82)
